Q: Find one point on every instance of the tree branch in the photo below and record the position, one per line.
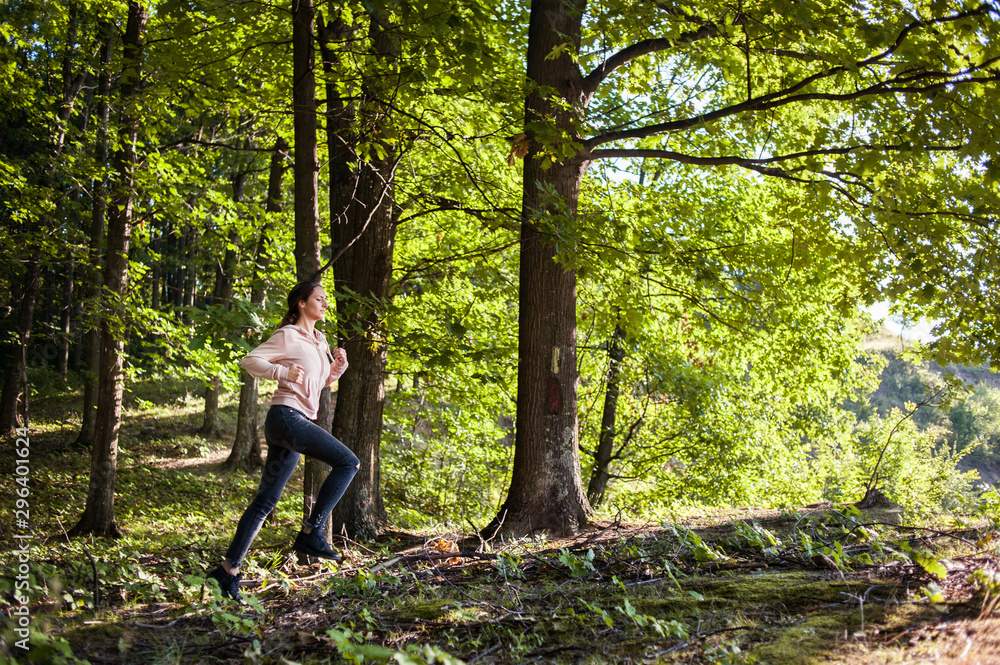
(732, 160)
(904, 83)
(449, 205)
(639, 49)
(364, 226)
(785, 98)
(427, 264)
(190, 140)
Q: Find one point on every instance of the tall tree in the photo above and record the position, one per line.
(306, 160)
(245, 453)
(546, 491)
(383, 63)
(604, 453)
(823, 95)
(98, 206)
(39, 221)
(363, 229)
(306, 188)
(99, 513)
(65, 319)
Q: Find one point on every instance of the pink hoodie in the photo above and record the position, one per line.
(289, 346)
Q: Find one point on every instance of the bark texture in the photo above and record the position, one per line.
(211, 424)
(306, 170)
(245, 454)
(363, 230)
(99, 514)
(65, 320)
(306, 165)
(546, 492)
(92, 336)
(601, 472)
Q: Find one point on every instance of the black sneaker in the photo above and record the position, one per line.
(228, 584)
(312, 544)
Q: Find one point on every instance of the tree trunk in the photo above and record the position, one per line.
(156, 274)
(65, 319)
(546, 492)
(362, 204)
(12, 385)
(361, 391)
(190, 271)
(99, 514)
(245, 454)
(211, 424)
(91, 339)
(178, 268)
(44, 351)
(601, 472)
(76, 354)
(11, 391)
(223, 290)
(306, 166)
(306, 170)
(211, 427)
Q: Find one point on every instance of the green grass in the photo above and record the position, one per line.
(715, 590)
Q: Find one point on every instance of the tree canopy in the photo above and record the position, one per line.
(628, 243)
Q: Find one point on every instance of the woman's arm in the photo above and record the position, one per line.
(339, 365)
(262, 362)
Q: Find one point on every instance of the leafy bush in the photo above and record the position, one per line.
(975, 425)
(910, 468)
(443, 464)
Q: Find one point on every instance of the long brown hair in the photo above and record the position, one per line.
(299, 292)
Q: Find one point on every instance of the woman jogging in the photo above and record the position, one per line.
(298, 357)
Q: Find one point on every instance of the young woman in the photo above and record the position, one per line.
(298, 357)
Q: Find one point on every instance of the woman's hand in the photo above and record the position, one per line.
(296, 374)
(340, 358)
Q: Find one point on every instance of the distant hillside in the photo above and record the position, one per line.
(971, 423)
(891, 345)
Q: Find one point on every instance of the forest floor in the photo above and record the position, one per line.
(826, 584)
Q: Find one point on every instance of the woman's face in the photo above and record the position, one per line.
(314, 307)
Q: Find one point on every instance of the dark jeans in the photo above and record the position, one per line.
(289, 434)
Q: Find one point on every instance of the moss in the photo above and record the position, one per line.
(667, 607)
(797, 615)
(99, 631)
(426, 610)
(906, 616)
(811, 640)
(783, 591)
(93, 640)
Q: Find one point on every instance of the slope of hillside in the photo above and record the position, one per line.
(968, 420)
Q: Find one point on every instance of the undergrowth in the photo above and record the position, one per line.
(830, 583)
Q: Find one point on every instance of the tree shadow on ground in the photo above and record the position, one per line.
(714, 588)
(551, 601)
